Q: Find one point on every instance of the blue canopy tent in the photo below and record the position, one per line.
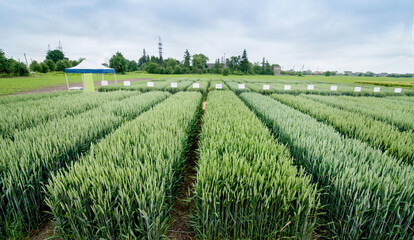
(87, 66)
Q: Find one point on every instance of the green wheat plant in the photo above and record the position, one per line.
(124, 188)
(28, 162)
(246, 185)
(366, 193)
(354, 125)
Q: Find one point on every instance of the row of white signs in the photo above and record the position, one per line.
(333, 88)
(265, 87)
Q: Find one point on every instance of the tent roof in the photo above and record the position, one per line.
(87, 66)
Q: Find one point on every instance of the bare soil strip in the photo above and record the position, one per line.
(45, 232)
(179, 228)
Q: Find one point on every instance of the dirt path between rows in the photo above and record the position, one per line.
(65, 87)
(179, 228)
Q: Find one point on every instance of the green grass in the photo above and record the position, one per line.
(38, 81)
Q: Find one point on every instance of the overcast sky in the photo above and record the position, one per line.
(357, 35)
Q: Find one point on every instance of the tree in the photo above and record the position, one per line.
(168, 70)
(151, 67)
(44, 67)
(226, 71)
(35, 66)
(119, 63)
(233, 62)
(244, 63)
(171, 62)
(50, 64)
(62, 64)
(19, 69)
(143, 59)
(257, 69)
(55, 55)
(197, 64)
(217, 67)
(187, 58)
(3, 62)
(202, 60)
(132, 66)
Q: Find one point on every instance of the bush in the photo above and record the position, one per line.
(62, 64)
(151, 67)
(169, 70)
(177, 70)
(44, 68)
(226, 71)
(51, 65)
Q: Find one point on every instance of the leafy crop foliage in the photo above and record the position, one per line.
(124, 187)
(366, 193)
(246, 186)
(378, 134)
(27, 163)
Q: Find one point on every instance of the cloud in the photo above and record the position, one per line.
(326, 35)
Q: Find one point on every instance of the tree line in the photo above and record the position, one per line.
(10, 67)
(196, 63)
(55, 61)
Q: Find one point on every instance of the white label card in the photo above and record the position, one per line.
(266, 87)
(376, 89)
(173, 84)
(287, 87)
(127, 83)
(104, 83)
(311, 87)
(196, 85)
(334, 88)
(150, 84)
(357, 89)
(241, 86)
(397, 90)
(219, 86)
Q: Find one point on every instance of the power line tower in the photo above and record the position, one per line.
(60, 47)
(160, 47)
(27, 64)
(48, 48)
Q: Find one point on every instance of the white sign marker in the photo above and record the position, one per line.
(334, 88)
(150, 84)
(104, 83)
(357, 89)
(397, 90)
(266, 87)
(311, 87)
(196, 85)
(173, 84)
(241, 86)
(219, 86)
(127, 83)
(287, 87)
(376, 89)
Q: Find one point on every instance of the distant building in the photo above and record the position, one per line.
(277, 70)
(383, 74)
(349, 73)
(210, 65)
(309, 72)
